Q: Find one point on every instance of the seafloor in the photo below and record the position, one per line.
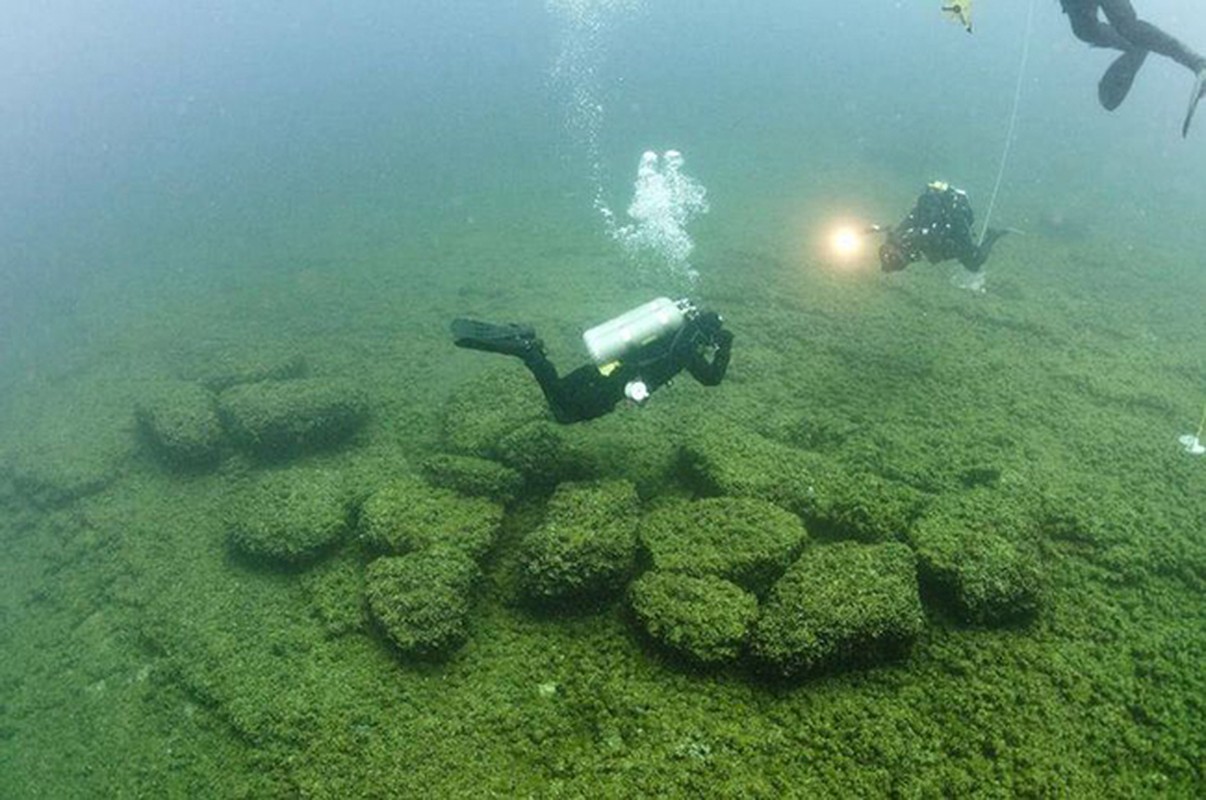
(142, 657)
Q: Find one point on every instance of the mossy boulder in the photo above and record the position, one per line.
(335, 589)
(220, 369)
(483, 410)
(291, 515)
(722, 459)
(54, 471)
(585, 549)
(546, 454)
(408, 514)
(705, 619)
(179, 420)
(476, 477)
(840, 605)
(742, 539)
(421, 600)
(977, 551)
(276, 420)
(866, 507)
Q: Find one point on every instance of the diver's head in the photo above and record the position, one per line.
(892, 257)
(709, 322)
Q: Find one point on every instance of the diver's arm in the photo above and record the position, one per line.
(711, 373)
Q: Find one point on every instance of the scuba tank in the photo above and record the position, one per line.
(613, 340)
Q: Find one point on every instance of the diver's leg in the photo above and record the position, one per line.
(1089, 28)
(975, 259)
(1146, 36)
(1116, 82)
(551, 385)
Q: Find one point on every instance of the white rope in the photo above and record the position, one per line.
(1013, 119)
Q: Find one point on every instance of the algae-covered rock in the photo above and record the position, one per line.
(704, 619)
(56, 471)
(840, 605)
(586, 547)
(408, 514)
(335, 589)
(220, 369)
(291, 515)
(180, 422)
(722, 459)
(866, 507)
(546, 454)
(483, 410)
(279, 419)
(976, 550)
(477, 477)
(743, 539)
(421, 600)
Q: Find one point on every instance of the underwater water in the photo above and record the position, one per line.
(232, 238)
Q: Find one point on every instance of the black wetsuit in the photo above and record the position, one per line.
(1123, 30)
(939, 228)
(701, 346)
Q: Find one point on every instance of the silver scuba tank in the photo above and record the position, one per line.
(616, 338)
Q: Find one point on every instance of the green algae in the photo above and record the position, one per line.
(139, 659)
(704, 619)
(408, 515)
(585, 549)
(744, 540)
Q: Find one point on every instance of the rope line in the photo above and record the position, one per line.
(1013, 120)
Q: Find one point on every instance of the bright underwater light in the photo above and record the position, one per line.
(845, 242)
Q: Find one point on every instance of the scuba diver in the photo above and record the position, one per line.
(938, 228)
(633, 355)
(1123, 30)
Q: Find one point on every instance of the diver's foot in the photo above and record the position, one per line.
(1116, 82)
(1199, 89)
(509, 339)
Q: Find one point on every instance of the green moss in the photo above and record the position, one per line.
(222, 368)
(745, 540)
(335, 589)
(477, 477)
(722, 459)
(703, 619)
(408, 515)
(840, 605)
(977, 552)
(866, 507)
(421, 600)
(291, 515)
(180, 422)
(54, 472)
(546, 454)
(275, 420)
(586, 547)
(481, 411)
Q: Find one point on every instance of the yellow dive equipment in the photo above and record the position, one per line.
(959, 11)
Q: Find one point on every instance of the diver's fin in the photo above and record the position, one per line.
(1116, 82)
(509, 338)
(1199, 89)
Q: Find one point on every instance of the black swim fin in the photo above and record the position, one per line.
(509, 338)
(1116, 82)
(1199, 89)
